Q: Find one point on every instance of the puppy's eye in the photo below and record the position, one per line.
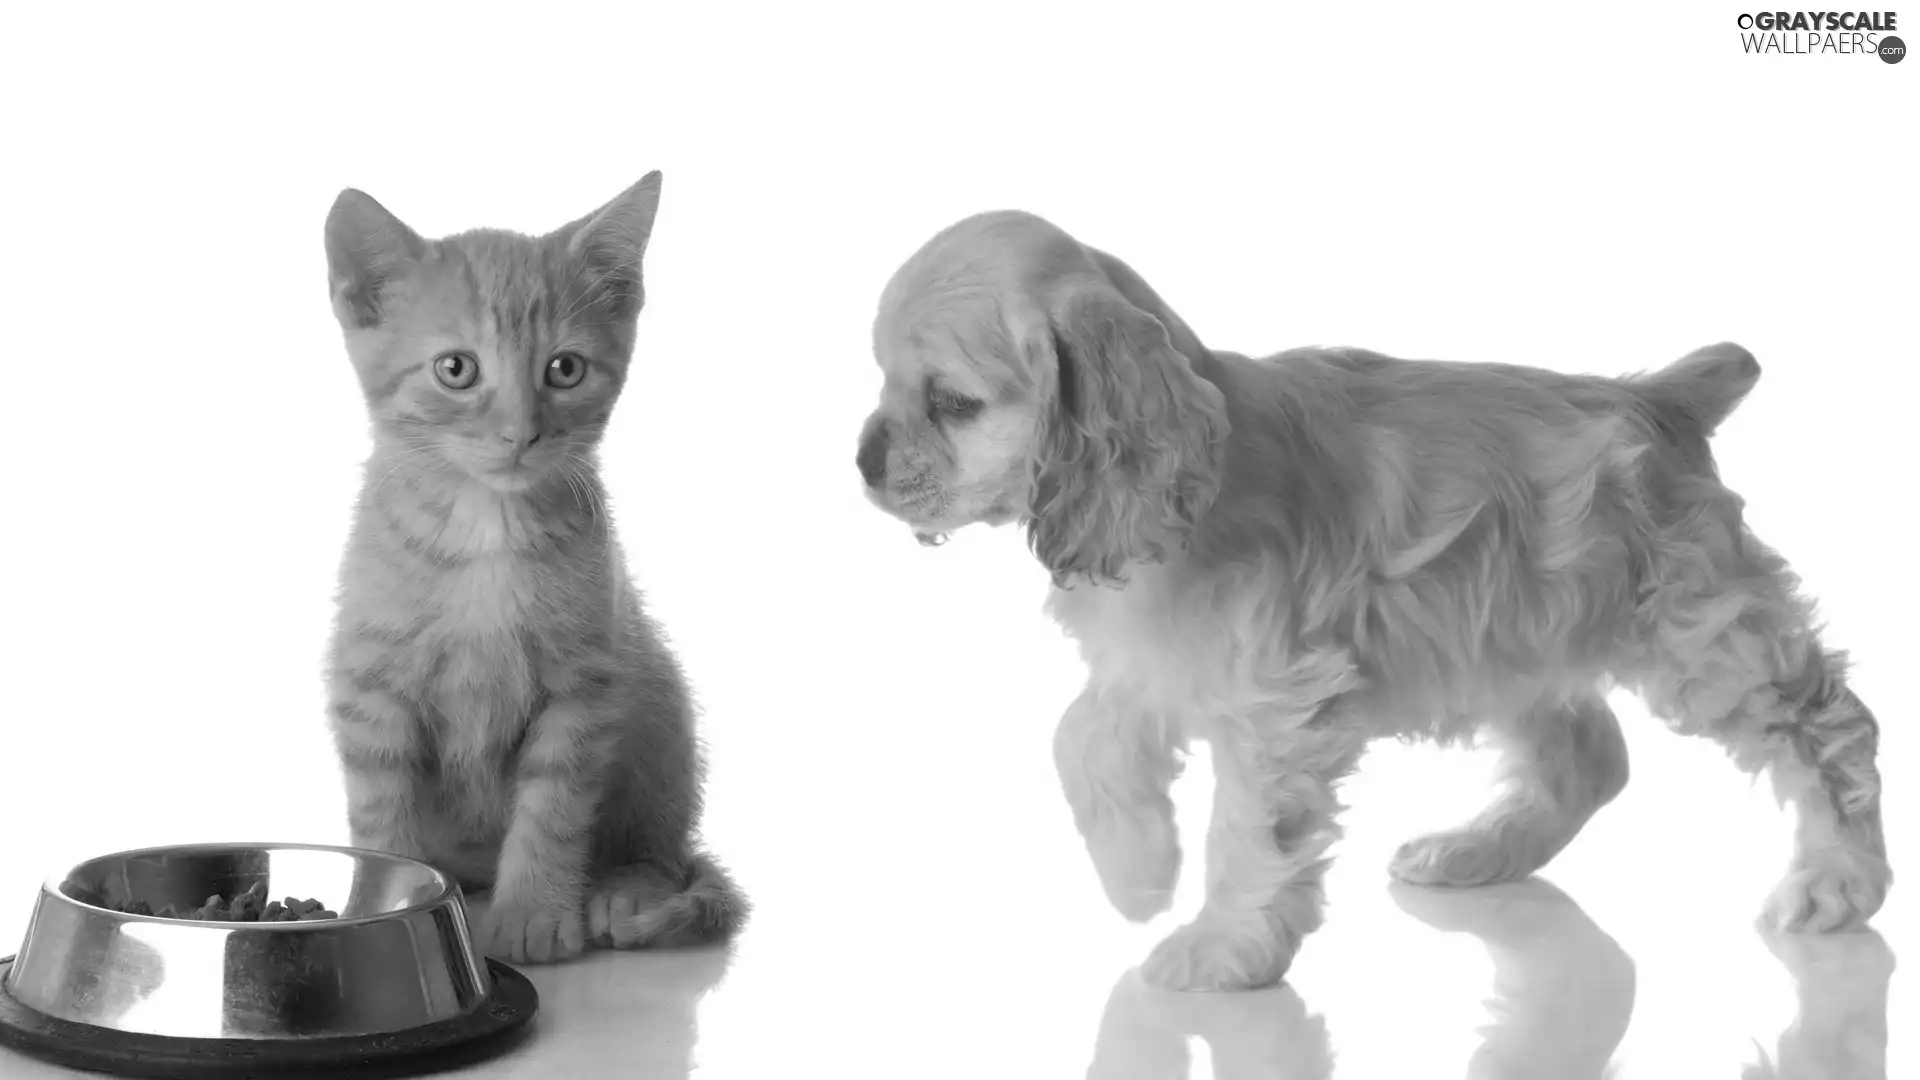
(566, 370)
(456, 370)
(957, 406)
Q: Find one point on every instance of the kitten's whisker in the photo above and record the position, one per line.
(596, 497)
(401, 458)
(580, 495)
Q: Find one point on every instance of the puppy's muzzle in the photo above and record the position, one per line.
(872, 458)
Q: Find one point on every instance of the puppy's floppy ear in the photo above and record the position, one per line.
(366, 248)
(1126, 459)
(607, 246)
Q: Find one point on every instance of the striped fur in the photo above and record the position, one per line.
(502, 705)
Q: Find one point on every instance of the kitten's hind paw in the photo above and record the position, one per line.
(622, 914)
(531, 933)
(642, 906)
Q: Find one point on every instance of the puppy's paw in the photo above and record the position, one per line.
(525, 932)
(1460, 859)
(1212, 955)
(1828, 892)
(1138, 858)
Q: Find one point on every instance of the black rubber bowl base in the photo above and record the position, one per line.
(496, 1026)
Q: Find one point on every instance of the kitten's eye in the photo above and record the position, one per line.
(456, 371)
(958, 407)
(566, 370)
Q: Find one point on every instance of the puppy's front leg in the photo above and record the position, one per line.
(1273, 820)
(1116, 762)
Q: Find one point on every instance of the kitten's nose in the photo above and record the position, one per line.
(519, 441)
(872, 458)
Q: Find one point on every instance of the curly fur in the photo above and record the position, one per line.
(1292, 556)
(1127, 460)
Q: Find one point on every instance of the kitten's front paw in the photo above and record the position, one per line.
(1210, 955)
(523, 933)
(1138, 860)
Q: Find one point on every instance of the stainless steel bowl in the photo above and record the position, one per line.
(399, 957)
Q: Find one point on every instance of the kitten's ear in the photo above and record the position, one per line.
(366, 247)
(610, 243)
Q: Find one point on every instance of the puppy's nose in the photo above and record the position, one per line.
(872, 458)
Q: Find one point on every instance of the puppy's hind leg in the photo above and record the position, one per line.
(1741, 664)
(1116, 763)
(1817, 740)
(1562, 761)
(1839, 876)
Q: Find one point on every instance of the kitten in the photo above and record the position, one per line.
(503, 707)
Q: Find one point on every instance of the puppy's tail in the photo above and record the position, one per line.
(1693, 395)
(642, 907)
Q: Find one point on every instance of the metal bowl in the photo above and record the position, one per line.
(399, 957)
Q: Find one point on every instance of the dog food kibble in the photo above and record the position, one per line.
(249, 906)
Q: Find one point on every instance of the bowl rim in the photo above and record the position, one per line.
(448, 889)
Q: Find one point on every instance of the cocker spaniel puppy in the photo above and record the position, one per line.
(1292, 556)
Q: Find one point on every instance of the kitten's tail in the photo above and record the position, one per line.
(642, 908)
(1693, 395)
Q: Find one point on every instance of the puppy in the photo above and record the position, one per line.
(1290, 557)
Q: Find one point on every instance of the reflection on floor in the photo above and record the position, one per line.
(1841, 984)
(1563, 990)
(1563, 998)
(630, 1015)
(875, 953)
(1149, 1033)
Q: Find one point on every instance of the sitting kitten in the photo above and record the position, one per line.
(502, 706)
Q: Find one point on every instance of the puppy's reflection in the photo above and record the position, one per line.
(1563, 994)
(626, 1014)
(1265, 1034)
(1840, 1030)
(1562, 989)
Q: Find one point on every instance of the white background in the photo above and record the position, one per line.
(1597, 189)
